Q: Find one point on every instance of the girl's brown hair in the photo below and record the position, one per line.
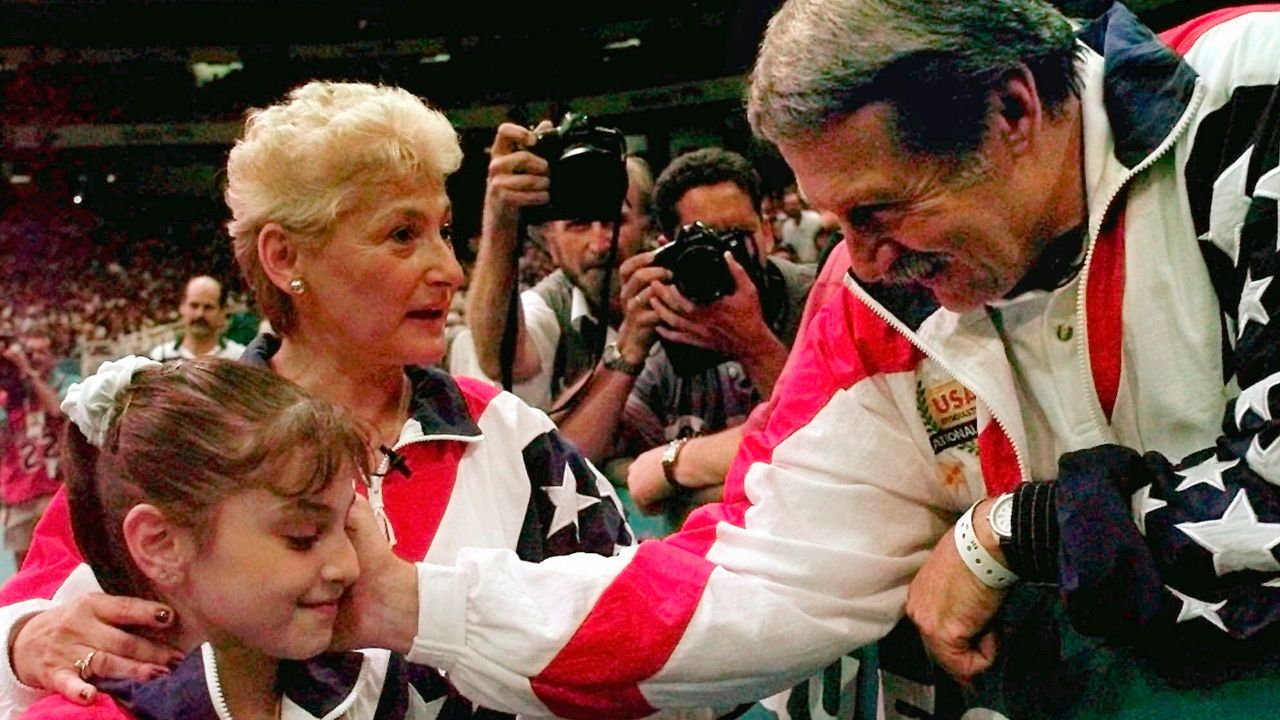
(187, 435)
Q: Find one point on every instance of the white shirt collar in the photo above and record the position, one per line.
(579, 308)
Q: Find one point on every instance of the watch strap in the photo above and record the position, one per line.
(1032, 550)
(614, 361)
(669, 457)
(981, 563)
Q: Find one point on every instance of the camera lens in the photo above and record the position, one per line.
(587, 169)
(589, 183)
(702, 275)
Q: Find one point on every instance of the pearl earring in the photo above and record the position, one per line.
(297, 286)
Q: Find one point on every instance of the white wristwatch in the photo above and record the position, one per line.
(981, 563)
(1000, 517)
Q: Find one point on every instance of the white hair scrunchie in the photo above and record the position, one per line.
(91, 403)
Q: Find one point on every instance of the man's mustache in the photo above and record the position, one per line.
(912, 267)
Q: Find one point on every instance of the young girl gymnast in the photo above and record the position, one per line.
(224, 491)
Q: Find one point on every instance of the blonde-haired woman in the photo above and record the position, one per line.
(340, 223)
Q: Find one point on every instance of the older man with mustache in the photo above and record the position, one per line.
(1054, 365)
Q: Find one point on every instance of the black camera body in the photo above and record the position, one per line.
(699, 271)
(588, 171)
(696, 261)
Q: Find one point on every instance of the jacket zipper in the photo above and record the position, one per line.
(215, 683)
(915, 340)
(384, 465)
(1082, 359)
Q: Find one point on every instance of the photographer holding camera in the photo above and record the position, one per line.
(32, 383)
(727, 320)
(558, 328)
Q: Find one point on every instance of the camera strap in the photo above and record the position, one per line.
(507, 349)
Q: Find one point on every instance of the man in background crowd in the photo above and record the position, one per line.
(716, 360)
(203, 313)
(32, 383)
(800, 227)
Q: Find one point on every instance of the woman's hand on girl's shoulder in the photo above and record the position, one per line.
(100, 629)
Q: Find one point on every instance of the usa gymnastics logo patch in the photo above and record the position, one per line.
(950, 413)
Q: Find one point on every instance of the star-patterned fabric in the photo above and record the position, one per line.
(1212, 519)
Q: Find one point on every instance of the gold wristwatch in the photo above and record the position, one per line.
(614, 361)
(669, 457)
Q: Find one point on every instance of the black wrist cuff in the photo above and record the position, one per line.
(1032, 549)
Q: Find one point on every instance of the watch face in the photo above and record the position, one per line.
(1002, 516)
(613, 360)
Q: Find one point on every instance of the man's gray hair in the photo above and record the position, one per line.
(934, 61)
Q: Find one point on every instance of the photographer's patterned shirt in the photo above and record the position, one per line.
(664, 406)
(29, 470)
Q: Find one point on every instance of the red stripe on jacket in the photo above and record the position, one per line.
(53, 556)
(1000, 470)
(478, 394)
(653, 599)
(416, 504)
(581, 684)
(1104, 310)
(1183, 37)
(56, 707)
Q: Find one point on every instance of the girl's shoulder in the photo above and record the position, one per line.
(56, 707)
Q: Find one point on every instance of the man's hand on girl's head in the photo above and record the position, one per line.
(381, 608)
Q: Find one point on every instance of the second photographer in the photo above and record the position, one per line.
(725, 337)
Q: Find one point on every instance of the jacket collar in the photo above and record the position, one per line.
(437, 403)
(318, 686)
(1147, 86)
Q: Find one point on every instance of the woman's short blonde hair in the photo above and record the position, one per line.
(302, 162)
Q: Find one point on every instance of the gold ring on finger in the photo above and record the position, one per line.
(82, 665)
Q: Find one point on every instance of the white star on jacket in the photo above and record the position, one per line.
(1268, 186)
(1142, 503)
(1208, 472)
(1264, 462)
(1255, 398)
(568, 503)
(419, 708)
(1251, 307)
(1237, 540)
(1193, 608)
(1229, 206)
